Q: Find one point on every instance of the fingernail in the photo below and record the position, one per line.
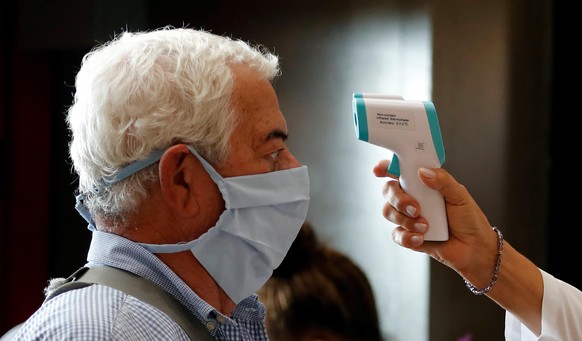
(420, 227)
(416, 240)
(411, 210)
(429, 173)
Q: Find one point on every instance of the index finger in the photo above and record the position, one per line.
(381, 169)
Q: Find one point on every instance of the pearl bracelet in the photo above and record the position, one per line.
(485, 290)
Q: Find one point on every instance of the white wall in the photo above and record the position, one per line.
(383, 49)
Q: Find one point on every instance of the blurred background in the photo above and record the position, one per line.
(490, 67)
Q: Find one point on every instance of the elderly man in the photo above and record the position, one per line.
(188, 187)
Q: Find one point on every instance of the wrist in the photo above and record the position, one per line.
(495, 272)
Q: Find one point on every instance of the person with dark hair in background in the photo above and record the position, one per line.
(187, 186)
(319, 293)
(538, 305)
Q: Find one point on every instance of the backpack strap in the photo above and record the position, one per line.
(140, 288)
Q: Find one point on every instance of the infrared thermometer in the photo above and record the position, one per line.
(410, 129)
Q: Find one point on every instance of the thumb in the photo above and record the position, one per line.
(443, 182)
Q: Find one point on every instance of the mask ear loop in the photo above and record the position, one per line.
(107, 182)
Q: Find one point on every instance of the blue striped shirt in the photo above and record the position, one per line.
(99, 312)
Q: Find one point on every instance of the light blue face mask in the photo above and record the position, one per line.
(263, 214)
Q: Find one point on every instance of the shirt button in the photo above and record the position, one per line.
(211, 325)
(220, 319)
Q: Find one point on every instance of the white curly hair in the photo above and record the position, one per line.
(142, 92)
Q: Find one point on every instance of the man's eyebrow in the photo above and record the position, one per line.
(277, 134)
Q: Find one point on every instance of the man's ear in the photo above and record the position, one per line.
(178, 171)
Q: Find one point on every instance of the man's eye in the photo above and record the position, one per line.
(275, 155)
